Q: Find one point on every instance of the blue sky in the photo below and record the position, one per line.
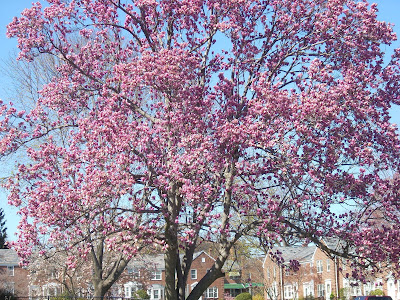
(389, 10)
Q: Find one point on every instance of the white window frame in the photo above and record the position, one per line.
(287, 272)
(321, 290)
(211, 293)
(134, 272)
(128, 292)
(288, 291)
(320, 266)
(308, 286)
(328, 265)
(10, 270)
(158, 296)
(368, 287)
(295, 290)
(193, 274)
(156, 275)
(328, 288)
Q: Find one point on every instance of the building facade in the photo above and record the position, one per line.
(317, 276)
(13, 277)
(148, 273)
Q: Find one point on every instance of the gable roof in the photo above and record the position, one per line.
(302, 254)
(148, 261)
(197, 254)
(157, 260)
(332, 243)
(9, 257)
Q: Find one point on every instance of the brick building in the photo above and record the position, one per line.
(148, 273)
(13, 277)
(202, 262)
(142, 273)
(319, 276)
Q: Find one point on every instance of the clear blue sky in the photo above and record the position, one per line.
(389, 10)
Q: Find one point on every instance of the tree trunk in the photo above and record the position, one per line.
(170, 267)
(99, 291)
(171, 255)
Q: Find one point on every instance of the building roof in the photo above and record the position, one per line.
(156, 260)
(9, 257)
(304, 254)
(301, 253)
(148, 261)
(333, 243)
(197, 254)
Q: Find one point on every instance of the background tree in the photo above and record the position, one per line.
(100, 266)
(3, 230)
(161, 129)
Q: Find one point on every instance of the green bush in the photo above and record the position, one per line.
(244, 296)
(142, 294)
(343, 292)
(376, 292)
(258, 297)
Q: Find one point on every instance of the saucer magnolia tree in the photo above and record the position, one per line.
(172, 122)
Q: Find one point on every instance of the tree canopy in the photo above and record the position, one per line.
(172, 122)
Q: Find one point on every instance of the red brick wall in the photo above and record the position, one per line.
(201, 264)
(19, 279)
(309, 271)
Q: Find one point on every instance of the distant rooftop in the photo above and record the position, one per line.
(155, 261)
(9, 257)
(299, 253)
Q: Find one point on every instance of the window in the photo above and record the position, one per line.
(211, 293)
(328, 286)
(156, 294)
(295, 290)
(320, 266)
(50, 290)
(134, 272)
(378, 283)
(287, 272)
(193, 274)
(53, 274)
(356, 290)
(288, 292)
(368, 288)
(203, 259)
(156, 275)
(328, 265)
(10, 270)
(308, 289)
(131, 288)
(274, 272)
(321, 290)
(128, 292)
(268, 273)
